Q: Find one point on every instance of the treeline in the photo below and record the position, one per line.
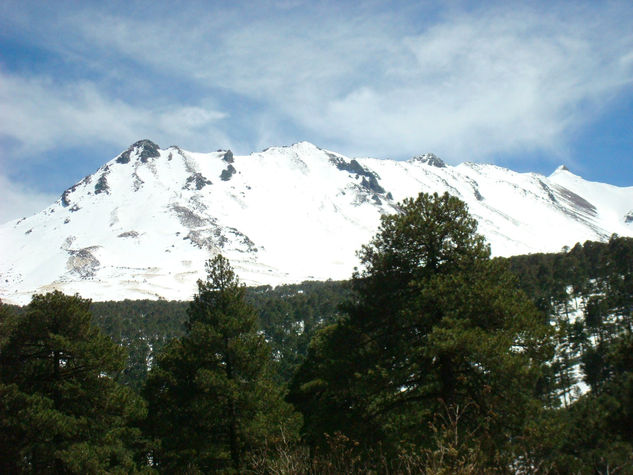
(434, 358)
(288, 316)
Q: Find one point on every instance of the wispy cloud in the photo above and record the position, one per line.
(21, 201)
(39, 114)
(469, 84)
(498, 83)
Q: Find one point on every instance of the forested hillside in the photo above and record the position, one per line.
(433, 358)
(289, 315)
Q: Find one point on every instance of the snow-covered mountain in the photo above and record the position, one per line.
(143, 225)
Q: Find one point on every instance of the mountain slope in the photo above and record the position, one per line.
(143, 224)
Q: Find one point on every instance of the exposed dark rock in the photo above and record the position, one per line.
(124, 157)
(217, 237)
(549, 192)
(130, 234)
(371, 183)
(200, 239)
(75, 208)
(66, 194)
(247, 245)
(352, 166)
(102, 184)
(148, 149)
(138, 183)
(369, 179)
(628, 218)
(188, 218)
(82, 262)
(197, 179)
(205, 233)
(228, 157)
(578, 202)
(430, 159)
(227, 173)
(65, 199)
(67, 220)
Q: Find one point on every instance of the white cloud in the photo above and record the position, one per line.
(40, 114)
(469, 86)
(21, 201)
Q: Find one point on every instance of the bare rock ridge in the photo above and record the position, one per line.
(144, 223)
(144, 149)
(430, 159)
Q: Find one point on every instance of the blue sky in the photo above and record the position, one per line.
(525, 85)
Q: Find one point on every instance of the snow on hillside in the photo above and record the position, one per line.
(143, 225)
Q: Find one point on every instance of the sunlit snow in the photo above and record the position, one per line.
(144, 228)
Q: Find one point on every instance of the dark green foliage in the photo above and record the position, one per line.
(434, 323)
(211, 396)
(143, 328)
(61, 410)
(288, 315)
(587, 293)
(593, 434)
(434, 364)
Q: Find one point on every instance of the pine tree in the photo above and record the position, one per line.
(211, 394)
(435, 324)
(61, 409)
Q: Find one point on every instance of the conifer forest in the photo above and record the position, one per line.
(433, 358)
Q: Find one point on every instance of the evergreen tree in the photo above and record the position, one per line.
(435, 324)
(61, 410)
(211, 395)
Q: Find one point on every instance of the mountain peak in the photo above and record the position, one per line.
(144, 230)
(298, 148)
(430, 159)
(302, 147)
(144, 143)
(144, 149)
(304, 144)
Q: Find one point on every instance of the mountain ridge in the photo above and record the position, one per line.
(143, 224)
